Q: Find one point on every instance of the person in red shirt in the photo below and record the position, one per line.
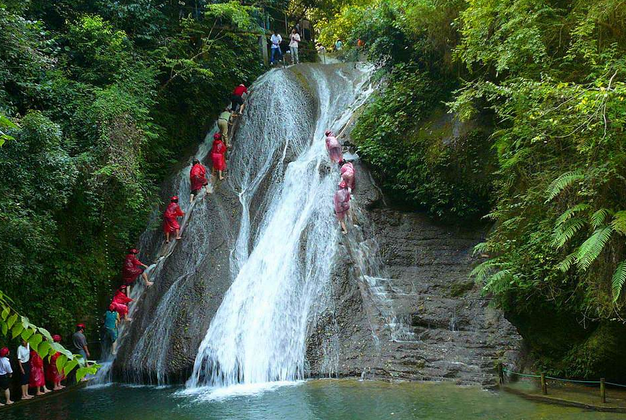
(198, 179)
(342, 205)
(37, 378)
(218, 156)
(237, 101)
(132, 269)
(52, 373)
(334, 147)
(120, 303)
(170, 219)
(347, 174)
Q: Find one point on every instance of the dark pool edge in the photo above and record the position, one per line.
(563, 402)
(52, 394)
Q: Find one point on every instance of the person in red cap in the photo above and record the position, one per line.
(111, 321)
(334, 147)
(120, 303)
(198, 179)
(342, 205)
(80, 342)
(347, 174)
(237, 100)
(52, 373)
(218, 156)
(37, 377)
(6, 372)
(132, 269)
(170, 219)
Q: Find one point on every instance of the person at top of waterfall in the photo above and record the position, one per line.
(334, 147)
(170, 219)
(23, 361)
(294, 41)
(197, 176)
(218, 156)
(37, 376)
(342, 205)
(111, 321)
(276, 39)
(133, 268)
(237, 99)
(80, 341)
(347, 174)
(6, 372)
(52, 372)
(120, 303)
(223, 122)
(338, 45)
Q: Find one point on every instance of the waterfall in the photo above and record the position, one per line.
(288, 236)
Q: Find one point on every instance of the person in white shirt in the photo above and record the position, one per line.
(23, 359)
(293, 46)
(276, 39)
(5, 374)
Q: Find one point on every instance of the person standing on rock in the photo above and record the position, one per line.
(170, 219)
(132, 269)
(218, 156)
(80, 342)
(237, 99)
(6, 372)
(120, 303)
(111, 321)
(37, 376)
(342, 205)
(276, 39)
(347, 174)
(197, 176)
(334, 147)
(293, 46)
(52, 373)
(23, 360)
(223, 122)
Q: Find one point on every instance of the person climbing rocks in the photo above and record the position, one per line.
(197, 176)
(276, 39)
(80, 342)
(342, 205)
(52, 372)
(37, 376)
(223, 122)
(6, 372)
(218, 156)
(237, 100)
(23, 361)
(293, 46)
(334, 147)
(170, 219)
(132, 269)
(347, 174)
(120, 303)
(111, 321)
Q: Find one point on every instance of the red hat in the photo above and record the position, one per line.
(343, 184)
(4, 351)
(174, 198)
(133, 251)
(328, 132)
(112, 307)
(56, 338)
(217, 136)
(81, 325)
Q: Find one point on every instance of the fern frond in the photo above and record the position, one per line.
(562, 182)
(564, 233)
(567, 214)
(598, 218)
(482, 248)
(567, 263)
(592, 247)
(619, 222)
(483, 271)
(619, 277)
(497, 279)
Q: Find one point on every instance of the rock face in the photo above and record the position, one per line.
(404, 305)
(400, 305)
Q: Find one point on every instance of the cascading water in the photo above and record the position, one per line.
(259, 331)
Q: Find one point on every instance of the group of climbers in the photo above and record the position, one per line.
(342, 196)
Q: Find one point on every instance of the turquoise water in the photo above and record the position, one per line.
(312, 400)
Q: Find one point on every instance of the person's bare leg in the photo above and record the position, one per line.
(343, 227)
(178, 234)
(167, 237)
(38, 391)
(221, 175)
(114, 348)
(25, 394)
(191, 197)
(7, 394)
(145, 279)
(128, 290)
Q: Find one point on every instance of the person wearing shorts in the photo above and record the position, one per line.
(111, 321)
(23, 359)
(5, 374)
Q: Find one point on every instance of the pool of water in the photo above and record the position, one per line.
(312, 400)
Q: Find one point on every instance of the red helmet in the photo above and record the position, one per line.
(133, 251)
(328, 132)
(81, 325)
(4, 351)
(111, 307)
(217, 136)
(343, 184)
(56, 338)
(174, 199)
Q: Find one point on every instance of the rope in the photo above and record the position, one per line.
(524, 375)
(572, 380)
(613, 384)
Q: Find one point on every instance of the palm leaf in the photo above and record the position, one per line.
(592, 247)
(619, 277)
(562, 182)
